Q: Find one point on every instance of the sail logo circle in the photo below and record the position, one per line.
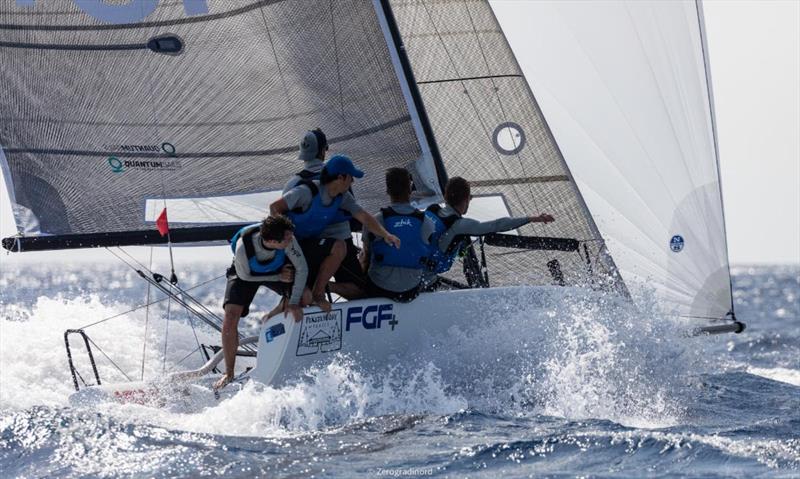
(508, 138)
(676, 243)
(115, 164)
(168, 148)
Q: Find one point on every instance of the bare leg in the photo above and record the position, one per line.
(326, 270)
(230, 341)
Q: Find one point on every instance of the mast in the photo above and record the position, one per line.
(409, 85)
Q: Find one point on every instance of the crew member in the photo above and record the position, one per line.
(313, 206)
(265, 254)
(391, 273)
(453, 232)
(313, 149)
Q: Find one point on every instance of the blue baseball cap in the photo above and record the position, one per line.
(342, 165)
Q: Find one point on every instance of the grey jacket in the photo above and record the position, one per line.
(293, 253)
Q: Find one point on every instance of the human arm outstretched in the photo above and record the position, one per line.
(373, 226)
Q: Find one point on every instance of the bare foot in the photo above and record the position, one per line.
(322, 303)
(222, 382)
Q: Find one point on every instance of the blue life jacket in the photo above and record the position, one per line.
(413, 252)
(311, 223)
(257, 268)
(441, 261)
(342, 216)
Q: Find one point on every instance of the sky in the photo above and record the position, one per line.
(754, 49)
(755, 66)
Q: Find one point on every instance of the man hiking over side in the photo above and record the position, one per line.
(263, 254)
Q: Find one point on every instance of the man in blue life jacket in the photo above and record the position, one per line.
(396, 273)
(453, 231)
(264, 254)
(313, 206)
(313, 149)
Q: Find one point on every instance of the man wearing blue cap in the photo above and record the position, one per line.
(314, 205)
(313, 148)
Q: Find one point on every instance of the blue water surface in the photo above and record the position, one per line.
(601, 405)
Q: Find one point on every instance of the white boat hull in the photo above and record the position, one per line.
(378, 332)
(456, 331)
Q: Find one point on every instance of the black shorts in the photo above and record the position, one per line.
(241, 292)
(373, 290)
(350, 270)
(315, 250)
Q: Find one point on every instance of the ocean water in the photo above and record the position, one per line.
(611, 393)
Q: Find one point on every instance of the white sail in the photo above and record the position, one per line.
(625, 89)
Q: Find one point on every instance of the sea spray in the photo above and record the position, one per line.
(612, 360)
(32, 352)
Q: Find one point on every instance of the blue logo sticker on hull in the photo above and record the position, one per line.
(274, 331)
(371, 317)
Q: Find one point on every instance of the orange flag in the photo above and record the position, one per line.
(162, 224)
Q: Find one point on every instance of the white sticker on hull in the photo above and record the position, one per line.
(320, 333)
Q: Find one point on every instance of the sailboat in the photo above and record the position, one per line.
(599, 113)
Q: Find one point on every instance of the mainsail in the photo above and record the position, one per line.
(111, 112)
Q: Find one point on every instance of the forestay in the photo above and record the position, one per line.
(626, 90)
(110, 112)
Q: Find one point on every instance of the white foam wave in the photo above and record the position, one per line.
(784, 375)
(330, 396)
(589, 357)
(33, 362)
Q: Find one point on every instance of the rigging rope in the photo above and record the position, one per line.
(109, 359)
(146, 318)
(166, 334)
(136, 308)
